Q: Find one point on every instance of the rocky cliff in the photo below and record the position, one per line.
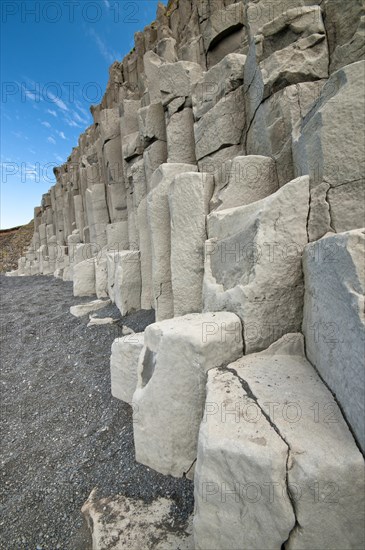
(222, 184)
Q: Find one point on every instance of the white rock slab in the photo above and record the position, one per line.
(123, 365)
(277, 465)
(127, 282)
(89, 307)
(334, 320)
(170, 394)
(84, 278)
(253, 263)
(330, 148)
(189, 197)
(251, 178)
(160, 228)
(223, 125)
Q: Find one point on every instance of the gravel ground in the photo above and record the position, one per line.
(62, 433)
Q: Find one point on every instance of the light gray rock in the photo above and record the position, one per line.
(101, 276)
(253, 263)
(240, 459)
(147, 301)
(153, 157)
(89, 307)
(212, 164)
(329, 147)
(175, 105)
(345, 32)
(292, 48)
(123, 366)
(117, 235)
(151, 120)
(235, 42)
(152, 62)
(221, 23)
(96, 206)
(79, 213)
(180, 137)
(127, 330)
(166, 49)
(98, 238)
(177, 79)
(138, 183)
(276, 126)
(223, 125)
(261, 12)
(251, 178)
(277, 465)
(193, 50)
(334, 321)
(97, 321)
(220, 80)
(346, 203)
(112, 262)
(129, 116)
(160, 229)
(109, 123)
(170, 394)
(84, 278)
(189, 197)
(127, 282)
(42, 233)
(132, 146)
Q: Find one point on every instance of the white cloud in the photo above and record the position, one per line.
(59, 158)
(30, 95)
(51, 140)
(79, 118)
(46, 124)
(81, 108)
(62, 135)
(109, 55)
(72, 123)
(32, 92)
(20, 135)
(53, 113)
(57, 101)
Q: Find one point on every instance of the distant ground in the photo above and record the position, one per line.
(13, 243)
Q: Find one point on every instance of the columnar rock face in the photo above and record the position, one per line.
(253, 263)
(334, 319)
(277, 465)
(123, 365)
(170, 394)
(208, 82)
(189, 197)
(160, 229)
(127, 282)
(84, 278)
(250, 178)
(228, 139)
(331, 149)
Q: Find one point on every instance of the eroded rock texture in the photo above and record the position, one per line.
(227, 150)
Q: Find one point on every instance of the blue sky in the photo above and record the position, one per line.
(54, 64)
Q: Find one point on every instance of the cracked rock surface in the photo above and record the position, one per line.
(275, 453)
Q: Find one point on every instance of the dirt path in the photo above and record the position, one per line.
(62, 433)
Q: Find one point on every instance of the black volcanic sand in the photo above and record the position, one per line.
(62, 432)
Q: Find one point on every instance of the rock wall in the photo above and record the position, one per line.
(222, 184)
